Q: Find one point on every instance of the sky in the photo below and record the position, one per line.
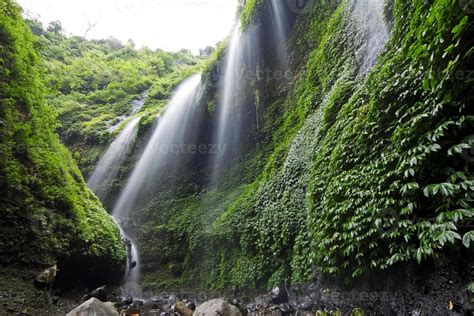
(167, 24)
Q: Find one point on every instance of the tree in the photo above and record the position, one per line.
(206, 52)
(55, 27)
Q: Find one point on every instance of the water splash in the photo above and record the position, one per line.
(109, 165)
(130, 285)
(370, 18)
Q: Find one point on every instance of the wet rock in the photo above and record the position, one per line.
(94, 307)
(124, 301)
(251, 308)
(191, 305)
(46, 276)
(306, 305)
(99, 293)
(286, 308)
(128, 300)
(130, 312)
(136, 304)
(279, 295)
(183, 309)
(217, 307)
(239, 304)
(150, 305)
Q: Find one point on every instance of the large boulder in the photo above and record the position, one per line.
(217, 307)
(94, 307)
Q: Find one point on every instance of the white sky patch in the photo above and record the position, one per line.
(167, 24)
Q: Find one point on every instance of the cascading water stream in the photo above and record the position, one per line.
(226, 134)
(169, 132)
(370, 18)
(136, 106)
(281, 27)
(109, 165)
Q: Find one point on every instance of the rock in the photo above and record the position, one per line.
(137, 304)
(124, 301)
(217, 307)
(110, 306)
(279, 295)
(99, 293)
(130, 312)
(150, 305)
(94, 307)
(306, 305)
(46, 276)
(286, 308)
(183, 309)
(191, 305)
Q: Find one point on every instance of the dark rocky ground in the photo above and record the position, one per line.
(436, 288)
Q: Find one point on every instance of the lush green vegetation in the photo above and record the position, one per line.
(91, 85)
(338, 172)
(349, 175)
(47, 214)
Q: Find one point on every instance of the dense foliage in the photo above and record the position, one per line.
(92, 83)
(335, 170)
(47, 214)
(345, 173)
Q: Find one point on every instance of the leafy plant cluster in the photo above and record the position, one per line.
(349, 173)
(390, 183)
(47, 214)
(92, 83)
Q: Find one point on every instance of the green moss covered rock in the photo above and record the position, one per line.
(47, 214)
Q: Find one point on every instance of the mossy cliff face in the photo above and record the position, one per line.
(47, 214)
(339, 172)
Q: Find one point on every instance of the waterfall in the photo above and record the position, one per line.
(227, 133)
(109, 165)
(136, 106)
(168, 134)
(281, 27)
(370, 18)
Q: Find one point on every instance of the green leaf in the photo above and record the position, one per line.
(466, 240)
